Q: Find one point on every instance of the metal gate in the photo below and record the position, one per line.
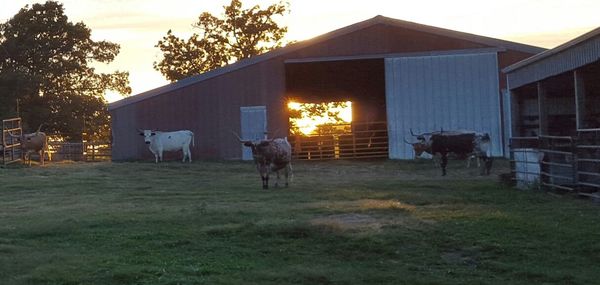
(10, 147)
(558, 163)
(364, 140)
(588, 162)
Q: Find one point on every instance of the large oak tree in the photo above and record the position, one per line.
(46, 62)
(239, 33)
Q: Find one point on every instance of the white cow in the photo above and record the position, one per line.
(168, 141)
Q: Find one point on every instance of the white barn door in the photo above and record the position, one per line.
(450, 92)
(254, 126)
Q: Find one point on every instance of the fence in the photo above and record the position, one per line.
(364, 140)
(558, 163)
(588, 162)
(565, 163)
(83, 151)
(9, 146)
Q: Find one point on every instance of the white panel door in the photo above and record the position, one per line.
(449, 92)
(254, 126)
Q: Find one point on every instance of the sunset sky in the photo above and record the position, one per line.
(137, 25)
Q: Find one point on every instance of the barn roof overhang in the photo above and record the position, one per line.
(492, 42)
(396, 55)
(571, 55)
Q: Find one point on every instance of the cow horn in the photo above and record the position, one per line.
(238, 137)
(411, 132)
(11, 134)
(274, 134)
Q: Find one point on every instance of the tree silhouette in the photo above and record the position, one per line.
(45, 63)
(237, 34)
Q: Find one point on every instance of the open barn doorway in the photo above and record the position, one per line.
(345, 100)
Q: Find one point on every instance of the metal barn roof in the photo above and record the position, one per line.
(328, 36)
(573, 54)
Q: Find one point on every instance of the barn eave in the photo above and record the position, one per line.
(487, 41)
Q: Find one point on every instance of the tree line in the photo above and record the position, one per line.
(46, 62)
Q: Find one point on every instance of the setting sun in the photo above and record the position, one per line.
(309, 116)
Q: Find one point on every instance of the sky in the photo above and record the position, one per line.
(137, 25)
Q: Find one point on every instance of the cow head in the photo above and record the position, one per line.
(419, 147)
(147, 134)
(259, 148)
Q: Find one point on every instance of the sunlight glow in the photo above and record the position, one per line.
(307, 123)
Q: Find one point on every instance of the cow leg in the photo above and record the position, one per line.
(487, 165)
(42, 157)
(444, 163)
(288, 174)
(265, 181)
(187, 153)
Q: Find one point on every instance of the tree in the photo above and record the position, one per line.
(45, 62)
(238, 34)
(318, 118)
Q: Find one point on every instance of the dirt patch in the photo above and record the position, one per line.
(349, 222)
(364, 222)
(363, 205)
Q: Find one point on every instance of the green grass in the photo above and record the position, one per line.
(341, 222)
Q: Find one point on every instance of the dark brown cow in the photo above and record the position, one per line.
(271, 155)
(464, 144)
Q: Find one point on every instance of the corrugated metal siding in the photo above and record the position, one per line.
(457, 92)
(567, 60)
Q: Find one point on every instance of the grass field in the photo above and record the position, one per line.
(341, 222)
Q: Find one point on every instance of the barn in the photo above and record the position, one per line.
(407, 75)
(555, 114)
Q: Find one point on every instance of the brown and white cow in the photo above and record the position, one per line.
(271, 155)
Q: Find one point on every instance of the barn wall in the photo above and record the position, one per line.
(455, 92)
(211, 107)
(382, 39)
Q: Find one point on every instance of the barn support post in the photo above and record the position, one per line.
(514, 114)
(543, 111)
(579, 99)
(574, 162)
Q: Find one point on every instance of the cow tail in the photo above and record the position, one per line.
(192, 138)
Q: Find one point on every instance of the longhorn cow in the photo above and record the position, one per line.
(271, 155)
(34, 142)
(462, 143)
(158, 142)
